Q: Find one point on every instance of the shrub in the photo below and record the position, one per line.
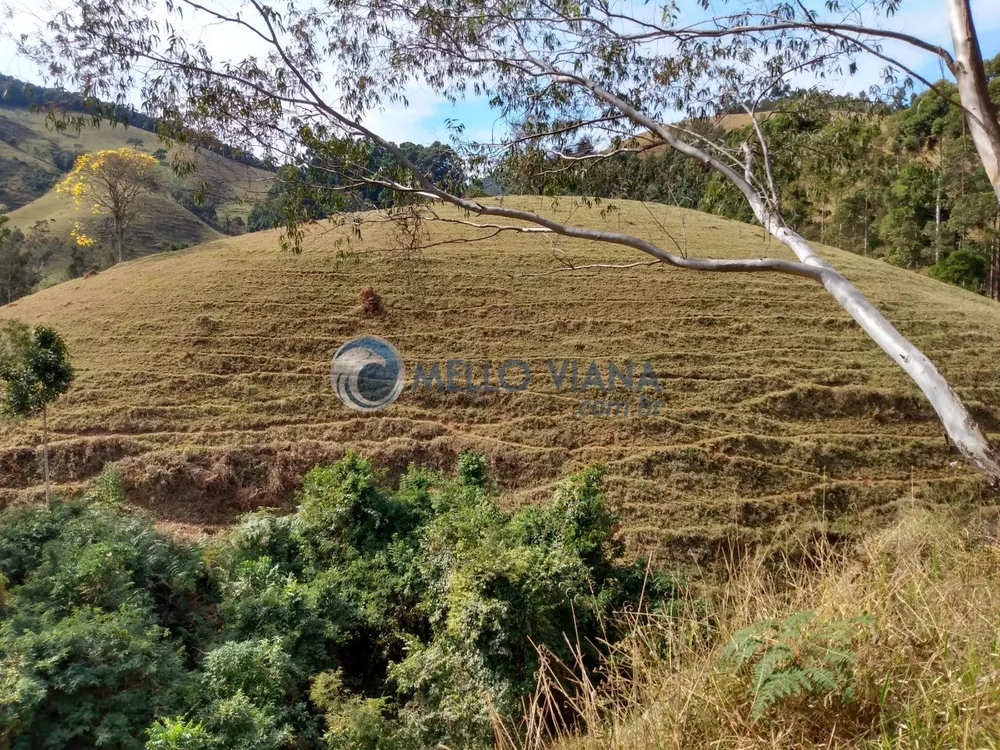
(260, 669)
(262, 601)
(99, 610)
(179, 734)
(962, 268)
(240, 724)
(64, 159)
(369, 619)
(352, 721)
(234, 225)
(92, 678)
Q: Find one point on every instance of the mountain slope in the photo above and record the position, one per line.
(33, 157)
(164, 222)
(206, 372)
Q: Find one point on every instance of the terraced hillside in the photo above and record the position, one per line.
(205, 372)
(33, 157)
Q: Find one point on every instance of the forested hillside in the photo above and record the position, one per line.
(204, 189)
(18, 94)
(209, 196)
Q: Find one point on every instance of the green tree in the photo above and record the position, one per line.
(18, 275)
(973, 212)
(35, 370)
(851, 156)
(909, 214)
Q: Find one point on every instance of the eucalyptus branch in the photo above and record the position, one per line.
(766, 154)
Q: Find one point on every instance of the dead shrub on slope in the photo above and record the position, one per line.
(892, 643)
(369, 303)
(206, 324)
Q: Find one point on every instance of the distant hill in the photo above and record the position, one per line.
(24, 95)
(34, 157)
(206, 374)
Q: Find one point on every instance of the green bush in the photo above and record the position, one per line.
(369, 619)
(179, 734)
(93, 678)
(962, 268)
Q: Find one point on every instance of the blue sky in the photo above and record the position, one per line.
(424, 120)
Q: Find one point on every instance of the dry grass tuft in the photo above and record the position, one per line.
(926, 665)
(206, 324)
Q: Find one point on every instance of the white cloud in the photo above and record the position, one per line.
(420, 121)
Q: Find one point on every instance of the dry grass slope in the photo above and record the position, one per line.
(205, 372)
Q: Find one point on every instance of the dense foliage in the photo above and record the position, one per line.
(324, 182)
(21, 258)
(366, 619)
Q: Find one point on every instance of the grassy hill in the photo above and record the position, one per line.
(205, 372)
(33, 157)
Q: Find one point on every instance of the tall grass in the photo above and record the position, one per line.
(924, 667)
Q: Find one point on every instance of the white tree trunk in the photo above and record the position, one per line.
(957, 422)
(937, 219)
(973, 90)
(866, 225)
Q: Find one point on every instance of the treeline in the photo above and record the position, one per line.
(901, 182)
(17, 93)
(22, 257)
(339, 175)
(369, 619)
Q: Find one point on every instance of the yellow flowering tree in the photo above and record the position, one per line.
(112, 182)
